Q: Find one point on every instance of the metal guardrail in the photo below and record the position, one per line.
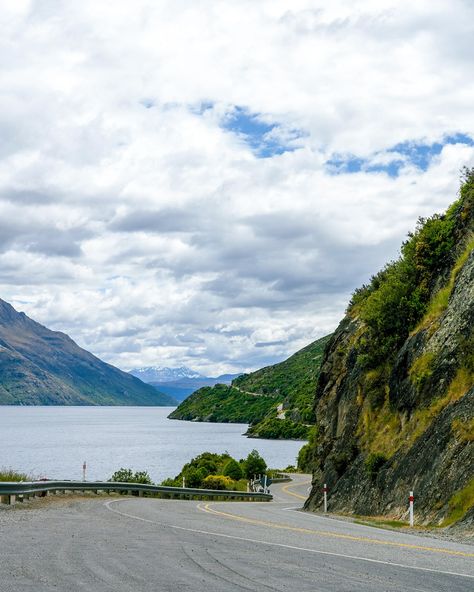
(281, 479)
(10, 492)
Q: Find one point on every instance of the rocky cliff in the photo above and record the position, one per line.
(395, 399)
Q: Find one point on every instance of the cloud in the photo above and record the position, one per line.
(206, 183)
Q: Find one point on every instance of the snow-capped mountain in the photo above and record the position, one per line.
(178, 382)
(164, 374)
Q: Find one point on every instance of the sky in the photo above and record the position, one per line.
(205, 183)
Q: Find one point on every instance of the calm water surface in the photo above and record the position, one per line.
(53, 442)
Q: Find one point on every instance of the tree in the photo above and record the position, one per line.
(233, 470)
(254, 464)
(128, 476)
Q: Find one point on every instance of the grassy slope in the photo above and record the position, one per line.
(291, 383)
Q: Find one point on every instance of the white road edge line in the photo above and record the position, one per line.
(247, 540)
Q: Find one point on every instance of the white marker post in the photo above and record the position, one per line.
(84, 469)
(184, 482)
(325, 490)
(411, 499)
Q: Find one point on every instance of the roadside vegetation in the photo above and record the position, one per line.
(206, 471)
(128, 476)
(11, 475)
(219, 471)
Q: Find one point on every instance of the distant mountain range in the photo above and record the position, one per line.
(164, 374)
(43, 367)
(178, 382)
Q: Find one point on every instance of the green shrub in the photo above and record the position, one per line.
(128, 476)
(307, 455)
(195, 476)
(233, 470)
(254, 465)
(220, 482)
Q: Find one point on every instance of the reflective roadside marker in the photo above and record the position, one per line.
(84, 469)
(411, 500)
(325, 491)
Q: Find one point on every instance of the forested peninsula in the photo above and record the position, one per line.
(277, 401)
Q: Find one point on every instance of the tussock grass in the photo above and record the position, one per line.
(11, 475)
(421, 368)
(463, 430)
(384, 431)
(440, 300)
(461, 502)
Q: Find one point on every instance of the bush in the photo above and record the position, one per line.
(195, 476)
(254, 465)
(233, 470)
(128, 476)
(220, 482)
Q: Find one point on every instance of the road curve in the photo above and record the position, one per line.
(140, 544)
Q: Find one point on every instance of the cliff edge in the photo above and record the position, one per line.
(395, 399)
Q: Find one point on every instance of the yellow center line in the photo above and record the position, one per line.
(286, 489)
(209, 510)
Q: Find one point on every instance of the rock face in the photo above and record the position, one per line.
(43, 367)
(404, 419)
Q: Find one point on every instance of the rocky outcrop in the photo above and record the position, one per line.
(405, 421)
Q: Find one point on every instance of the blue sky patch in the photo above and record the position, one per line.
(265, 139)
(405, 153)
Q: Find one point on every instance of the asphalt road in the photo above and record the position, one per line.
(136, 544)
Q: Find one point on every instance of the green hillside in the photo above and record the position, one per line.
(277, 401)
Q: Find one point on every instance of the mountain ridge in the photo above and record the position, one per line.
(39, 366)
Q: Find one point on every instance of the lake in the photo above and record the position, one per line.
(53, 442)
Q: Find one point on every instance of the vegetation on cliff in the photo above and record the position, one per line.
(395, 399)
(277, 401)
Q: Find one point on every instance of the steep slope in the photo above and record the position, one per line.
(395, 399)
(43, 367)
(276, 400)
